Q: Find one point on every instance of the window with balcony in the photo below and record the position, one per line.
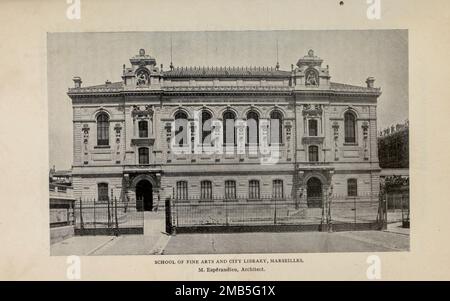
(312, 128)
(143, 129)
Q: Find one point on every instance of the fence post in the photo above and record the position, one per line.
(81, 217)
(383, 207)
(226, 212)
(385, 214)
(74, 218)
(322, 219)
(169, 226)
(115, 213)
(275, 211)
(109, 210)
(330, 223)
(95, 217)
(354, 204)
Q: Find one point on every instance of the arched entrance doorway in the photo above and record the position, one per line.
(314, 193)
(144, 196)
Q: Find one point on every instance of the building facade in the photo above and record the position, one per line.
(393, 147)
(123, 134)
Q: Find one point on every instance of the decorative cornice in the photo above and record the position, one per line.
(222, 90)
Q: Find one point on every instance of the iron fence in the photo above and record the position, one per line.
(108, 217)
(334, 211)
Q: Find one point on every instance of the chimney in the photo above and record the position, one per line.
(107, 82)
(370, 81)
(77, 81)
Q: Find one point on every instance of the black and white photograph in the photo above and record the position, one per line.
(228, 142)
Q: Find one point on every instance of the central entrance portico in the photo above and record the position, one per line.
(144, 189)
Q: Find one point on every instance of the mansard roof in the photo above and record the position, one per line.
(226, 72)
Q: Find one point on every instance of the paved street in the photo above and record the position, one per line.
(287, 242)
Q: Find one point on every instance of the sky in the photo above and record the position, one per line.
(352, 56)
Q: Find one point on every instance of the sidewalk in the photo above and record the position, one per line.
(80, 245)
(397, 228)
(152, 242)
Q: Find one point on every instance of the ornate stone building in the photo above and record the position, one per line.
(122, 131)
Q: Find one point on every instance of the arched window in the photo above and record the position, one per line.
(206, 122)
(313, 152)
(352, 187)
(102, 190)
(143, 155)
(230, 190)
(102, 129)
(252, 127)
(253, 190)
(276, 128)
(229, 129)
(277, 189)
(181, 128)
(143, 129)
(312, 127)
(350, 127)
(206, 190)
(182, 190)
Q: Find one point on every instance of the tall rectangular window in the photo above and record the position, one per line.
(352, 187)
(182, 190)
(102, 190)
(206, 190)
(312, 127)
(313, 153)
(143, 129)
(277, 189)
(253, 190)
(230, 190)
(143, 155)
